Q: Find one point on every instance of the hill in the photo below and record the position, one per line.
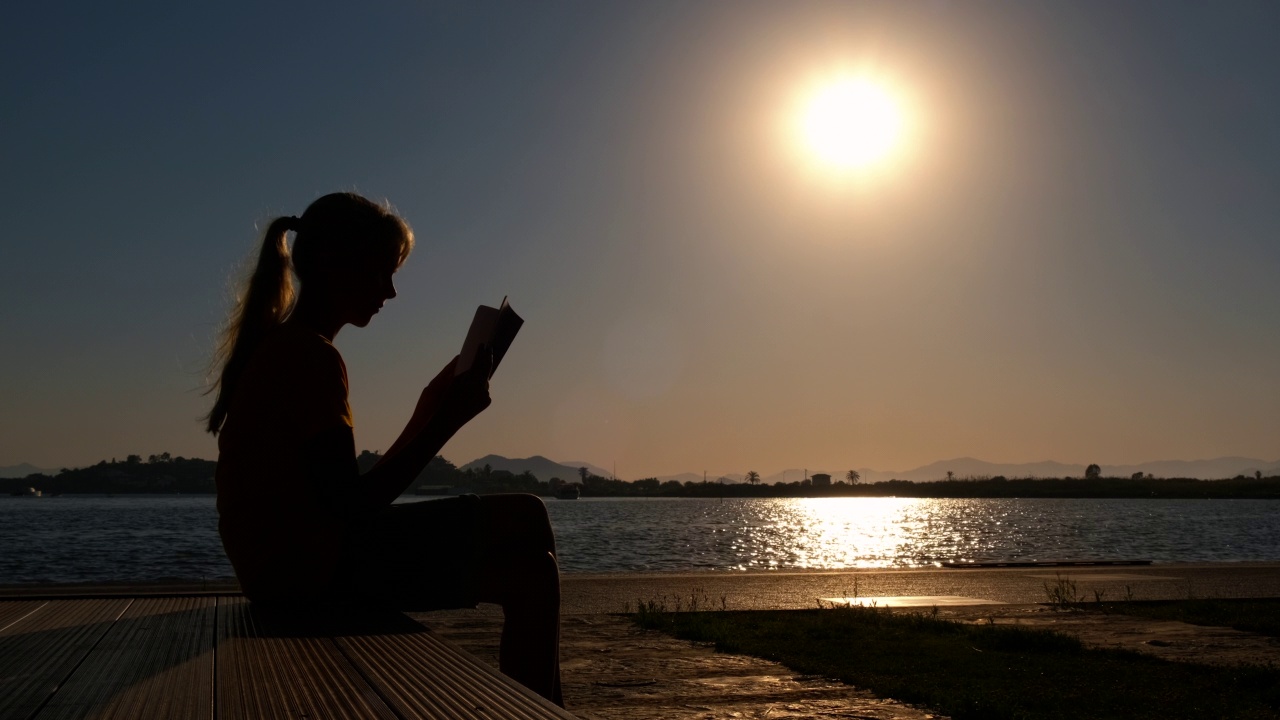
(542, 468)
(22, 470)
(158, 474)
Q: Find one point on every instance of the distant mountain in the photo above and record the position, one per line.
(972, 467)
(682, 477)
(593, 469)
(23, 470)
(541, 467)
(1218, 468)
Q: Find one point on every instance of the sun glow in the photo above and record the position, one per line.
(852, 123)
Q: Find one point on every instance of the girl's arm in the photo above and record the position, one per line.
(445, 405)
(428, 403)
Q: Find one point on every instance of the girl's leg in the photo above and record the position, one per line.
(518, 571)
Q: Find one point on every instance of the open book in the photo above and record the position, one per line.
(495, 327)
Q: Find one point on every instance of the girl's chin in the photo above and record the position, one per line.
(361, 319)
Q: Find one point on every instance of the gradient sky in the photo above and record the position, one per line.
(1076, 256)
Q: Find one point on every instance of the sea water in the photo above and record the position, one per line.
(144, 538)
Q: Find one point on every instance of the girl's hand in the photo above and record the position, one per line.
(468, 394)
(433, 394)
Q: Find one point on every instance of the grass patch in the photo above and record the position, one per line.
(1256, 616)
(980, 672)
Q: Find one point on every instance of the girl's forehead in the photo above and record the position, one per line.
(374, 250)
(383, 259)
(374, 260)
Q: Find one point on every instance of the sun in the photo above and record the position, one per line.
(852, 123)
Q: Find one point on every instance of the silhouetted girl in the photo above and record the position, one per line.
(297, 519)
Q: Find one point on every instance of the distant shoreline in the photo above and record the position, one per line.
(976, 490)
(165, 475)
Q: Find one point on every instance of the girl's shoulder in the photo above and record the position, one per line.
(286, 342)
(295, 360)
(293, 372)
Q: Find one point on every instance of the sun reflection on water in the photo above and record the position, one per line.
(826, 533)
(841, 532)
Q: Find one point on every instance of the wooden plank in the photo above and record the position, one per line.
(270, 667)
(39, 651)
(12, 611)
(210, 658)
(425, 676)
(156, 661)
(83, 591)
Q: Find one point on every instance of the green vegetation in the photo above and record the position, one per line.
(979, 671)
(1260, 616)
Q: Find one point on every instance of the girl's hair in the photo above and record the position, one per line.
(335, 229)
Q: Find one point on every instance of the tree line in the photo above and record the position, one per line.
(161, 473)
(164, 473)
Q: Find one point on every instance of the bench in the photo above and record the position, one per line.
(216, 657)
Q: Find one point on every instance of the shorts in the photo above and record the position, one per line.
(413, 556)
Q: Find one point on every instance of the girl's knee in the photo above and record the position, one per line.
(528, 506)
(518, 504)
(519, 516)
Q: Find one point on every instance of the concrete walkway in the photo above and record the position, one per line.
(615, 593)
(792, 590)
(615, 671)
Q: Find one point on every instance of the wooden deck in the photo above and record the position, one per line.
(209, 656)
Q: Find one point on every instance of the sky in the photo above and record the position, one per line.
(1071, 253)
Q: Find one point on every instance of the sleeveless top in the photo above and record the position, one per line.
(281, 538)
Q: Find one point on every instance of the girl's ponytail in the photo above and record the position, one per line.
(264, 303)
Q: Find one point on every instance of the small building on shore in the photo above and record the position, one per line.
(821, 480)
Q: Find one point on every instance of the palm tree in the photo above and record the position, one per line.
(753, 477)
(853, 477)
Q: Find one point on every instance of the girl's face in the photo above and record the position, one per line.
(363, 287)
